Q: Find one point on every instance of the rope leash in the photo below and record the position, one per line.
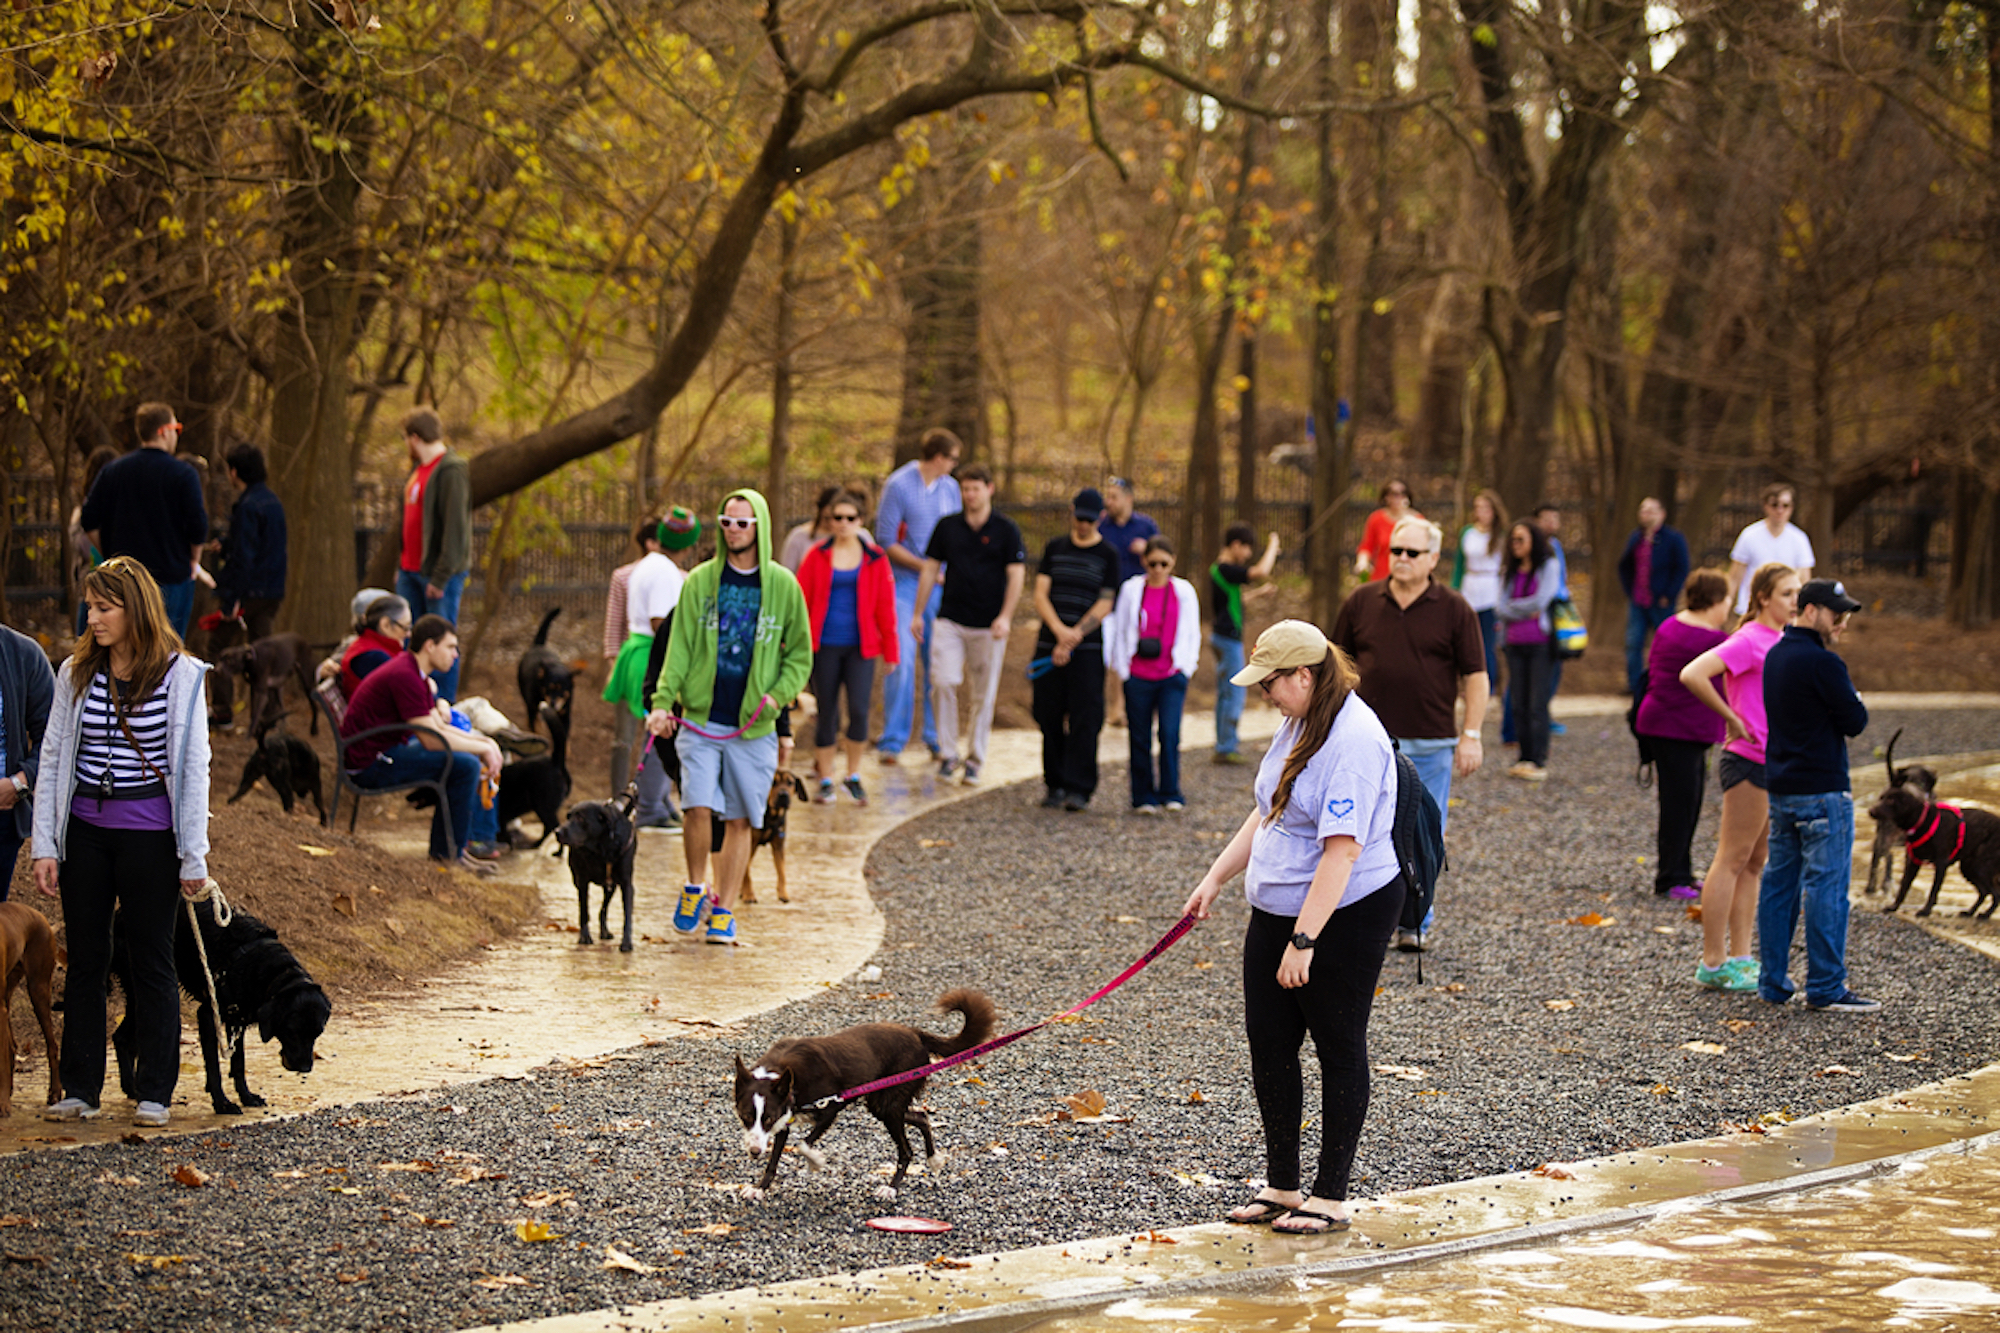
(1167, 941)
(211, 893)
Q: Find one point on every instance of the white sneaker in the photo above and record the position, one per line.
(152, 1115)
(70, 1108)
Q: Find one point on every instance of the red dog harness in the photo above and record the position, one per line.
(1936, 810)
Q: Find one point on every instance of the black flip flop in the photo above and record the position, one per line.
(1272, 1211)
(1332, 1223)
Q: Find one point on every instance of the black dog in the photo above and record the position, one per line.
(602, 845)
(291, 767)
(795, 1073)
(257, 980)
(264, 665)
(543, 677)
(537, 786)
(1912, 777)
(1937, 835)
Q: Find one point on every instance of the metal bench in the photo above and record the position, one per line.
(329, 700)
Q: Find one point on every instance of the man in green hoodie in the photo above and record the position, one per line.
(739, 653)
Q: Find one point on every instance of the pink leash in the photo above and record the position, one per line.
(1167, 941)
(685, 725)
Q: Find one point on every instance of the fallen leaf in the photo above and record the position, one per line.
(1195, 1098)
(1665, 930)
(1663, 1090)
(1157, 1238)
(712, 1229)
(1905, 1059)
(38, 1260)
(425, 1167)
(1125, 920)
(1559, 1006)
(343, 903)
(311, 850)
(543, 1198)
(498, 1281)
(343, 1189)
(1455, 988)
(1593, 919)
(1555, 1171)
(936, 842)
(534, 1232)
(1738, 1024)
(618, 1259)
(1087, 1102)
(191, 1176)
(1835, 1069)
(1694, 911)
(1408, 1073)
(16, 1220)
(289, 1175)
(1704, 1047)
(351, 1278)
(421, 1220)
(946, 1261)
(157, 1260)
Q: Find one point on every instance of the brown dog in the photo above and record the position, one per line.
(27, 953)
(777, 810)
(264, 665)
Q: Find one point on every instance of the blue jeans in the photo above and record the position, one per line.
(411, 762)
(178, 599)
(1811, 860)
(410, 587)
(1145, 699)
(1433, 760)
(899, 691)
(1228, 697)
(1640, 622)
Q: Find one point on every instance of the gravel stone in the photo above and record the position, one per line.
(302, 1226)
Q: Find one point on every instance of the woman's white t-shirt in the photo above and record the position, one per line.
(1480, 585)
(1348, 788)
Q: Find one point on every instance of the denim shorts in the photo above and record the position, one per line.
(1733, 768)
(732, 777)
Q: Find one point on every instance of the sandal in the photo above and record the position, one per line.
(1271, 1210)
(1327, 1222)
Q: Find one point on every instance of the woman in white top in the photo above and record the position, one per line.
(1153, 642)
(121, 822)
(1476, 573)
(1319, 868)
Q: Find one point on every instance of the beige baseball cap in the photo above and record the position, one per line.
(1287, 644)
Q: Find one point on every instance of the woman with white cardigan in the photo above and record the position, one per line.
(1153, 642)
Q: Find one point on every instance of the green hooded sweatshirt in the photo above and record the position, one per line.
(780, 663)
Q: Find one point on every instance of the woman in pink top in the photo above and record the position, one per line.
(1153, 642)
(1729, 894)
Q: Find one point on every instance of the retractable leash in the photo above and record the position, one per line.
(1040, 667)
(1167, 941)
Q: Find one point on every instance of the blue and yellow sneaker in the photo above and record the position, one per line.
(721, 926)
(693, 909)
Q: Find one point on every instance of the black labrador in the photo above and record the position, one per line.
(257, 981)
(291, 767)
(602, 846)
(537, 786)
(543, 677)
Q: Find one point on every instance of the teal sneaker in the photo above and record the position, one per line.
(1745, 971)
(721, 926)
(693, 909)
(1728, 977)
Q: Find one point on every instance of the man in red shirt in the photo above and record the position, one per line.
(397, 692)
(437, 529)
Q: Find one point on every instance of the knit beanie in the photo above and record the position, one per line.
(680, 530)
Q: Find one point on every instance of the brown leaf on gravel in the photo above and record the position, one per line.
(1559, 1006)
(1739, 1024)
(191, 1176)
(712, 1229)
(343, 903)
(17, 1220)
(543, 1198)
(311, 850)
(1694, 911)
(1089, 1101)
(1593, 919)
(425, 1167)
(616, 1258)
(1704, 1047)
(38, 1260)
(946, 1261)
(351, 1278)
(1156, 1238)
(501, 1281)
(1555, 1171)
(1834, 1069)
(157, 1260)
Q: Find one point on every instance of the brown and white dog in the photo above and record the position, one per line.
(27, 953)
(797, 1072)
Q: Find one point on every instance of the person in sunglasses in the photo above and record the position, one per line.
(1418, 648)
(1153, 642)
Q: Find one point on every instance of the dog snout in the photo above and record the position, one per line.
(754, 1142)
(296, 1060)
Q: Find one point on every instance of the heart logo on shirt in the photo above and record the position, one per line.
(1340, 809)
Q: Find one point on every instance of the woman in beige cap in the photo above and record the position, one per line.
(1325, 891)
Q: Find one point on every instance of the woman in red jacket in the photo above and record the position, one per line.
(851, 597)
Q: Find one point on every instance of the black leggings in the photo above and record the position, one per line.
(138, 874)
(1530, 683)
(1681, 768)
(835, 667)
(1333, 1006)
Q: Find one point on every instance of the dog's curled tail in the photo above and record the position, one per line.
(978, 1026)
(542, 631)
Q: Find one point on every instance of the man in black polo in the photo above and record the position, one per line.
(985, 564)
(1417, 646)
(1811, 709)
(1074, 588)
(148, 505)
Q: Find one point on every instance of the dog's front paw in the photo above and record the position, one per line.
(1923, 911)
(753, 1194)
(885, 1191)
(814, 1157)
(252, 1099)
(625, 947)
(223, 1106)
(936, 1162)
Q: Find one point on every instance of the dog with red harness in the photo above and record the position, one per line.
(1939, 834)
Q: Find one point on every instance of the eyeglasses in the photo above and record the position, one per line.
(1777, 504)
(1272, 679)
(1408, 552)
(839, 518)
(1159, 564)
(1395, 495)
(400, 626)
(741, 524)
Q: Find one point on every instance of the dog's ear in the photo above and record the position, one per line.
(742, 1072)
(798, 787)
(267, 1016)
(782, 1089)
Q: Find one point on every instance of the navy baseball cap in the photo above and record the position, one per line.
(1089, 503)
(1830, 593)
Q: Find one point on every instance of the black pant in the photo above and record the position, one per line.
(1069, 708)
(1681, 773)
(1530, 683)
(138, 874)
(10, 850)
(836, 667)
(1333, 1006)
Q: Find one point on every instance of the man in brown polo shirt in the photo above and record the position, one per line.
(1418, 648)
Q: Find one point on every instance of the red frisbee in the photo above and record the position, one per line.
(911, 1226)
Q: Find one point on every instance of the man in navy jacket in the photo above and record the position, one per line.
(1811, 708)
(1652, 571)
(252, 578)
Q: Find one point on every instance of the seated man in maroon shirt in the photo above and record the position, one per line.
(400, 691)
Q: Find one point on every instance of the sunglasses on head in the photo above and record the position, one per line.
(724, 520)
(1409, 552)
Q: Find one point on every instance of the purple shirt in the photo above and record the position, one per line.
(1669, 710)
(1642, 574)
(150, 814)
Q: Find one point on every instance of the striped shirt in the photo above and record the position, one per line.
(910, 510)
(103, 747)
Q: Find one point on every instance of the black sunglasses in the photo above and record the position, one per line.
(1159, 564)
(1407, 551)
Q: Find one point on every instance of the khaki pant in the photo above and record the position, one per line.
(964, 655)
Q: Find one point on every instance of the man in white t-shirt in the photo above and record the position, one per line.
(1771, 538)
(651, 593)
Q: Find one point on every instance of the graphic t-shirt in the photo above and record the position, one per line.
(413, 516)
(1226, 599)
(738, 599)
(1079, 576)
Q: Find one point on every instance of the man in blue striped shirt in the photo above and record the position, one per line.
(914, 498)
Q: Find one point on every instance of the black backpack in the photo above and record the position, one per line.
(1418, 836)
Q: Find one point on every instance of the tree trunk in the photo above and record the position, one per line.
(941, 275)
(1326, 539)
(777, 473)
(1247, 508)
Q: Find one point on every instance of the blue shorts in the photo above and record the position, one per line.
(732, 777)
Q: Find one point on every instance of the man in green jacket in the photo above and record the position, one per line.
(739, 653)
(437, 529)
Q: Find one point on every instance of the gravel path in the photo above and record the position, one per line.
(393, 1215)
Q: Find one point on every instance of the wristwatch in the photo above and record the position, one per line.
(21, 785)
(1302, 941)
(1471, 735)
